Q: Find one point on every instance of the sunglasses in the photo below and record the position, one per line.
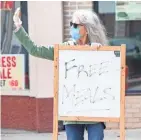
(75, 25)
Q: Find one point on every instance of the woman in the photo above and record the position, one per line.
(86, 29)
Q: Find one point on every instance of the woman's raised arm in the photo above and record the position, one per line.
(38, 51)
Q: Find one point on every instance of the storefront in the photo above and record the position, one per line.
(32, 108)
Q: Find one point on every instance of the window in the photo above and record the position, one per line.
(126, 30)
(9, 43)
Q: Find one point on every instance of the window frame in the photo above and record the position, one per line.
(96, 9)
(24, 17)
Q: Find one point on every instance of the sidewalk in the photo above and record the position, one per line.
(8, 134)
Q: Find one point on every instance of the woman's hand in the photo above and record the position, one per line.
(16, 18)
(96, 45)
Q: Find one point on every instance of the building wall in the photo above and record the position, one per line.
(132, 113)
(45, 29)
(33, 109)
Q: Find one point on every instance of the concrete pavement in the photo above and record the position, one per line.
(7, 134)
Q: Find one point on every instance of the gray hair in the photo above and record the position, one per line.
(96, 30)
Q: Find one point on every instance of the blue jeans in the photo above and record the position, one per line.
(76, 131)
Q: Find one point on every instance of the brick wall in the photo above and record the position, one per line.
(68, 8)
(133, 113)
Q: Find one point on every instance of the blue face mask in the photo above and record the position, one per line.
(75, 33)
